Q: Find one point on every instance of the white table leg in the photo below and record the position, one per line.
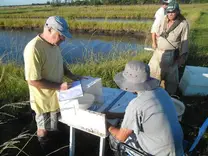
(71, 141)
(102, 146)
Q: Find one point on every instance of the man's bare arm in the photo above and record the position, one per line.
(154, 41)
(120, 134)
(45, 84)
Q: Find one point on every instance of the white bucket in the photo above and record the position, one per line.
(180, 108)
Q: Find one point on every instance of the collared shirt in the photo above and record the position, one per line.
(178, 38)
(153, 118)
(43, 61)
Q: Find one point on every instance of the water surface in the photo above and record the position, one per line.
(81, 46)
(112, 20)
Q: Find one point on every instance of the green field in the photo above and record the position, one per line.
(26, 17)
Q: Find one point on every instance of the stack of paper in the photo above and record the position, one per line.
(71, 93)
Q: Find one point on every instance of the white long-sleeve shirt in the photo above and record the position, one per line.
(159, 15)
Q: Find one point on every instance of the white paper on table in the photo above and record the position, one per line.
(71, 93)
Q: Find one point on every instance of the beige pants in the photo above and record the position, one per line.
(164, 68)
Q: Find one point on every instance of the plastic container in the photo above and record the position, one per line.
(93, 86)
(86, 101)
(180, 108)
(194, 81)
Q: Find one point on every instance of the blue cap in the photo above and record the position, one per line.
(59, 24)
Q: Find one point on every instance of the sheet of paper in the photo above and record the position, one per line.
(71, 93)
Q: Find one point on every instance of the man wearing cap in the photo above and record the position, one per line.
(171, 49)
(150, 122)
(159, 15)
(44, 71)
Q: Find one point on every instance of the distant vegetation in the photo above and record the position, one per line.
(34, 17)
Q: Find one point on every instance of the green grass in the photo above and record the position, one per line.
(12, 85)
(80, 25)
(198, 42)
(14, 88)
(20, 17)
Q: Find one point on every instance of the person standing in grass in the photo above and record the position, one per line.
(150, 122)
(44, 71)
(159, 15)
(171, 48)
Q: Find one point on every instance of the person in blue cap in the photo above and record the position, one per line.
(171, 48)
(44, 71)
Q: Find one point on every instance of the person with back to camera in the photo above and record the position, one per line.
(44, 71)
(150, 122)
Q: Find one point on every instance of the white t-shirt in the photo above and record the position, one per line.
(159, 15)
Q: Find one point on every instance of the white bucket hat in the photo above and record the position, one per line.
(136, 77)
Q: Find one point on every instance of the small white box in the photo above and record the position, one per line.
(93, 86)
(194, 81)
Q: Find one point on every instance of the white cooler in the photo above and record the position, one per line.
(82, 96)
(194, 81)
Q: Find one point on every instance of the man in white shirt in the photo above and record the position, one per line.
(159, 15)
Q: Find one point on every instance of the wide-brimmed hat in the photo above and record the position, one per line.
(59, 24)
(136, 77)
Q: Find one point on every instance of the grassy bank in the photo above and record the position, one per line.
(78, 25)
(25, 17)
(198, 42)
(109, 11)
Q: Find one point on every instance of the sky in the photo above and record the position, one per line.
(20, 2)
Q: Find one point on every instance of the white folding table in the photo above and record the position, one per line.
(93, 121)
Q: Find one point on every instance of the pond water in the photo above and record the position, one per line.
(142, 20)
(81, 46)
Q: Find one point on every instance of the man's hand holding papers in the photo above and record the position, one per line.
(73, 92)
